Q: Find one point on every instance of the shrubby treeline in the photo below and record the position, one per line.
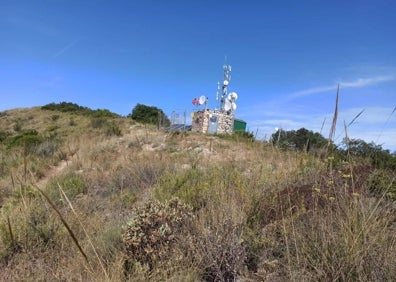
(74, 108)
(309, 141)
(149, 114)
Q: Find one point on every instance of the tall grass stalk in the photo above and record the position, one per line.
(10, 231)
(351, 174)
(64, 222)
(85, 232)
(335, 116)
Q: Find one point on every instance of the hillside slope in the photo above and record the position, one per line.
(103, 198)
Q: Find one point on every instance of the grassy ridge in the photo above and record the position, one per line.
(145, 205)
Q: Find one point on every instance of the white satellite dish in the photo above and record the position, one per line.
(202, 100)
(233, 96)
(233, 106)
(225, 82)
(227, 105)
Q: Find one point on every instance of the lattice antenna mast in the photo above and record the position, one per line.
(218, 93)
(227, 78)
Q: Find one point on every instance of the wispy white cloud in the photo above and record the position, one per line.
(64, 49)
(358, 83)
(362, 82)
(315, 90)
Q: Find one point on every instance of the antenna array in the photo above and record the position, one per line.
(225, 100)
(227, 103)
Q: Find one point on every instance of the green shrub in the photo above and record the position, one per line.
(109, 127)
(238, 136)
(149, 114)
(98, 122)
(74, 108)
(24, 191)
(4, 135)
(71, 183)
(28, 138)
(112, 129)
(382, 182)
(125, 199)
(196, 186)
(191, 186)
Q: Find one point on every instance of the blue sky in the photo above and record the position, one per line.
(287, 58)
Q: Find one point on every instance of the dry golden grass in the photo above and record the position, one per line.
(260, 214)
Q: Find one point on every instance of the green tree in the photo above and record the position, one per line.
(149, 114)
(379, 157)
(302, 139)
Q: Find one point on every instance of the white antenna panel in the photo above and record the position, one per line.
(233, 106)
(227, 105)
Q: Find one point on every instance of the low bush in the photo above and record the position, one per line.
(191, 186)
(28, 138)
(196, 187)
(153, 233)
(109, 127)
(71, 183)
(4, 135)
(169, 235)
(383, 183)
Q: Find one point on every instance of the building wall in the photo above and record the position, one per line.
(239, 125)
(200, 122)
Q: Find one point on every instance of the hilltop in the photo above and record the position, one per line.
(88, 195)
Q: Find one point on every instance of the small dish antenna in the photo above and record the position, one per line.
(202, 100)
(225, 82)
(195, 102)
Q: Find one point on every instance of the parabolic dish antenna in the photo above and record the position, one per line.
(225, 82)
(202, 100)
(233, 96)
(227, 105)
(195, 102)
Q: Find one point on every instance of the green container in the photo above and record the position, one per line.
(239, 125)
